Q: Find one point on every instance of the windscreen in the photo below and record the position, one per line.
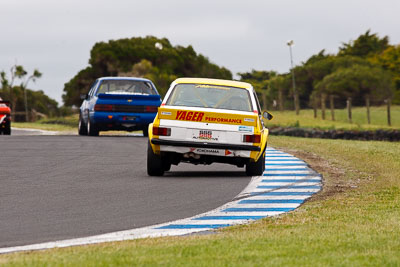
(210, 96)
(126, 87)
(3, 104)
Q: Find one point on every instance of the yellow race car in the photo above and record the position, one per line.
(202, 121)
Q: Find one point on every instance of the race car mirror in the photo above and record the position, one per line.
(267, 115)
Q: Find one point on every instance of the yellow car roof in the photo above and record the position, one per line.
(215, 82)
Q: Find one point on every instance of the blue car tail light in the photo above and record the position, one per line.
(103, 107)
(151, 109)
(126, 108)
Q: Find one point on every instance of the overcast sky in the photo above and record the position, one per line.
(56, 36)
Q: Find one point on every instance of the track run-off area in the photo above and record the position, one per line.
(60, 191)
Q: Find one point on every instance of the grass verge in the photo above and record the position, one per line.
(69, 123)
(306, 119)
(354, 221)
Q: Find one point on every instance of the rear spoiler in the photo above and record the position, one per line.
(5, 102)
(128, 96)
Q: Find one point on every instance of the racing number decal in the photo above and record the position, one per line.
(205, 135)
(207, 117)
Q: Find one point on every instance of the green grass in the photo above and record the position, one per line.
(354, 221)
(69, 123)
(306, 119)
(286, 118)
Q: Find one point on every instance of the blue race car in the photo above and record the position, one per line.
(118, 103)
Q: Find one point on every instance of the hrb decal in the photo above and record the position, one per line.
(204, 134)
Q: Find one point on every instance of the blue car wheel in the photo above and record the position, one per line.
(82, 129)
(91, 128)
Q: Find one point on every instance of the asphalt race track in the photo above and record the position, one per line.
(62, 187)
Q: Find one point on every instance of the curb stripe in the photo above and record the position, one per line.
(283, 160)
(271, 201)
(284, 193)
(188, 226)
(257, 209)
(285, 164)
(291, 181)
(280, 156)
(230, 218)
(288, 174)
(290, 187)
(287, 169)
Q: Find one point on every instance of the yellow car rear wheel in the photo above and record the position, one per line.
(256, 168)
(155, 166)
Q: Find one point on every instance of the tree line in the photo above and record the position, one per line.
(148, 57)
(365, 71)
(23, 101)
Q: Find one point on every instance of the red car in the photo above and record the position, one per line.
(5, 117)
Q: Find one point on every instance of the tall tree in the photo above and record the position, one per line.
(358, 81)
(24, 83)
(260, 81)
(36, 101)
(118, 57)
(390, 60)
(18, 72)
(279, 90)
(365, 45)
(373, 84)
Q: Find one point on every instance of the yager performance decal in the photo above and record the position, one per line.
(189, 115)
(207, 117)
(198, 116)
(226, 120)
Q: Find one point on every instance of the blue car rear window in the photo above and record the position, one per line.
(126, 87)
